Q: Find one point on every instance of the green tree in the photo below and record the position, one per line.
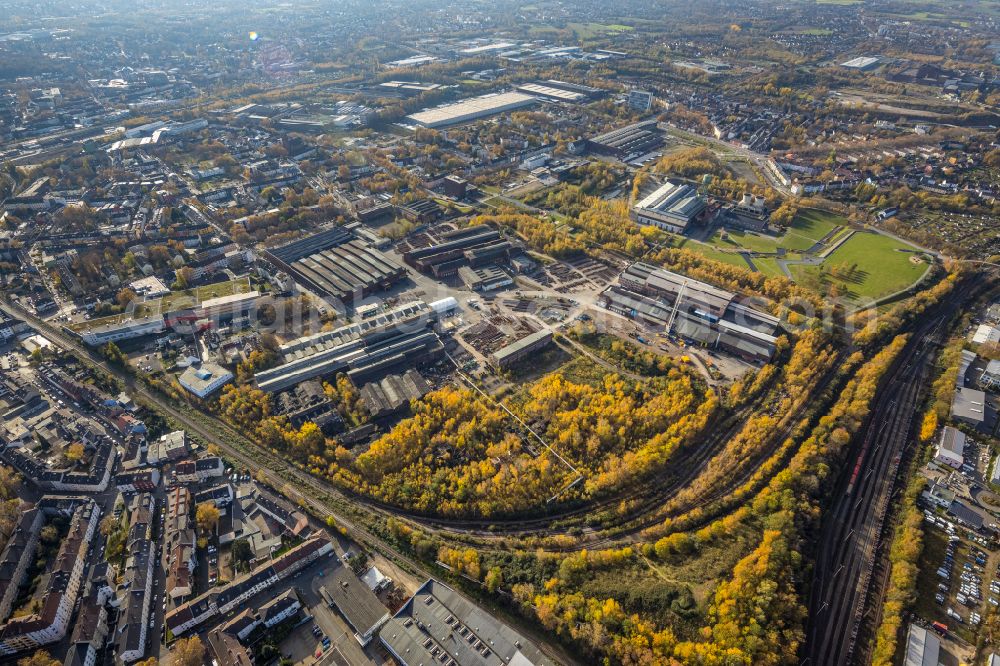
(241, 554)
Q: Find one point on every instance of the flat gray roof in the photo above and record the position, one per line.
(356, 602)
(525, 342)
(969, 404)
(439, 626)
(922, 647)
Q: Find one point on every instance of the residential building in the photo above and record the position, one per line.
(90, 632)
(17, 556)
(220, 601)
(221, 495)
(242, 625)
(202, 469)
(179, 541)
(170, 447)
(140, 480)
(62, 589)
(279, 609)
(991, 375)
(640, 100)
(293, 522)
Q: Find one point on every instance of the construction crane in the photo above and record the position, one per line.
(677, 305)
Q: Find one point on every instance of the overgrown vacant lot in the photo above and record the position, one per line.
(459, 455)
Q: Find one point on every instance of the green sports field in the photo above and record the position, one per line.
(868, 266)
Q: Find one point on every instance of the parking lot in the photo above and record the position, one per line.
(959, 579)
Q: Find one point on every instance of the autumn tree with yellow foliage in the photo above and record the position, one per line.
(457, 455)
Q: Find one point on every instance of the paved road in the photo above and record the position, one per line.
(306, 490)
(251, 458)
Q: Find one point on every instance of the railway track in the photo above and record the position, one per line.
(652, 492)
(854, 530)
(647, 497)
(280, 473)
(274, 470)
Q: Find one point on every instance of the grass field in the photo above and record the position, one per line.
(876, 267)
(539, 30)
(710, 252)
(815, 224)
(188, 298)
(747, 240)
(591, 30)
(809, 227)
(867, 266)
(735, 239)
(768, 267)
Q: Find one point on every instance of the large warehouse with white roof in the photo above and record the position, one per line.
(471, 109)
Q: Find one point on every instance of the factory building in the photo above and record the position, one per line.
(437, 625)
(455, 186)
(969, 406)
(516, 351)
(121, 328)
(174, 310)
(409, 87)
(422, 211)
(693, 310)
(484, 278)
(950, 448)
(335, 263)
(204, 380)
(922, 647)
(628, 142)
(471, 109)
(862, 63)
(473, 246)
(552, 94)
(561, 91)
(750, 212)
(414, 61)
(671, 207)
(391, 341)
(393, 393)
